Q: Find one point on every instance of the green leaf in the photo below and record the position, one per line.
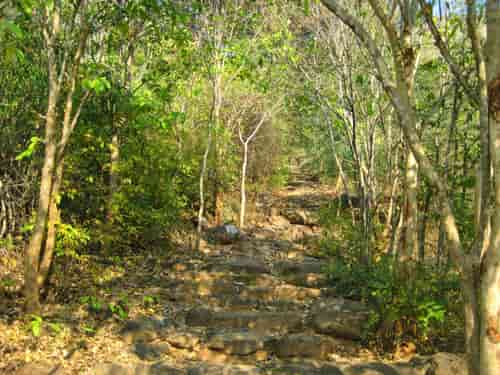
(34, 141)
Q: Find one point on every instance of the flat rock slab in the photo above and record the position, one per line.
(40, 368)
(237, 343)
(449, 364)
(303, 346)
(135, 369)
(303, 273)
(150, 352)
(142, 329)
(224, 370)
(371, 369)
(305, 369)
(259, 322)
(241, 264)
(340, 320)
(183, 340)
(307, 266)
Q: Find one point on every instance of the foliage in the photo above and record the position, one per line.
(415, 308)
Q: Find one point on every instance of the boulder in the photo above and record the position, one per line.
(205, 369)
(449, 364)
(371, 369)
(183, 340)
(224, 234)
(305, 369)
(159, 368)
(142, 329)
(40, 368)
(260, 322)
(307, 273)
(303, 346)
(343, 319)
(237, 343)
(150, 352)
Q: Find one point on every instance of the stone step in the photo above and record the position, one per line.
(260, 322)
(339, 318)
(302, 345)
(309, 273)
(239, 264)
(206, 369)
(305, 369)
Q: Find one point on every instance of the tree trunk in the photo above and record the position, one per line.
(243, 178)
(490, 281)
(53, 220)
(34, 248)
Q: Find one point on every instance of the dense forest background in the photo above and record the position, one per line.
(134, 128)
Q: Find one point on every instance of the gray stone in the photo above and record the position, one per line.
(224, 370)
(236, 343)
(135, 369)
(371, 369)
(257, 321)
(343, 320)
(303, 346)
(142, 329)
(183, 340)
(224, 234)
(305, 369)
(449, 364)
(150, 352)
(40, 368)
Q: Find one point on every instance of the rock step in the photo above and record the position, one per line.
(439, 364)
(235, 294)
(257, 321)
(260, 347)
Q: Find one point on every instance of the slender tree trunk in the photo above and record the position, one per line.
(422, 231)
(53, 220)
(490, 282)
(203, 173)
(34, 248)
(243, 179)
(411, 211)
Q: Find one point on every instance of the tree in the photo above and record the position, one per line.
(399, 93)
(63, 80)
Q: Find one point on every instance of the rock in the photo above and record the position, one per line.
(150, 352)
(299, 216)
(224, 234)
(247, 265)
(40, 368)
(417, 366)
(142, 329)
(236, 343)
(224, 370)
(183, 340)
(135, 369)
(449, 364)
(306, 273)
(259, 322)
(304, 346)
(371, 369)
(343, 320)
(199, 317)
(278, 221)
(306, 369)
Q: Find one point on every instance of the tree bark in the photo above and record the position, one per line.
(34, 247)
(243, 180)
(490, 281)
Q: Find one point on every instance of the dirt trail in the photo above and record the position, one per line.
(258, 305)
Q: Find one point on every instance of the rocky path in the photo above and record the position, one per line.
(259, 305)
